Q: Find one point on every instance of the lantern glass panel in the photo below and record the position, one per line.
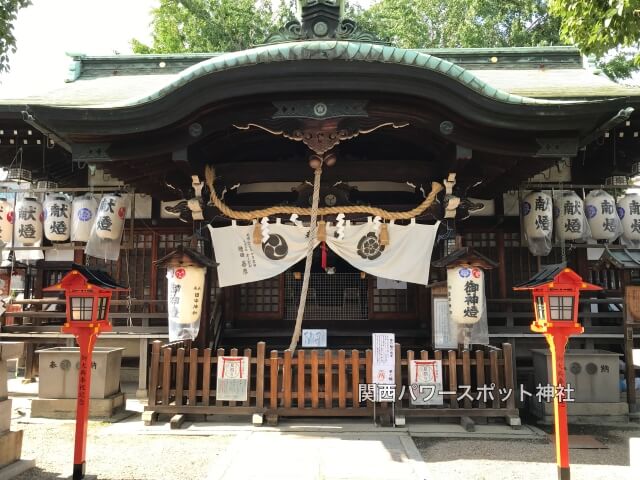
(102, 308)
(82, 308)
(561, 307)
(541, 309)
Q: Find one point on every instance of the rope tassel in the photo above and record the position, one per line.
(257, 234)
(384, 235)
(322, 231)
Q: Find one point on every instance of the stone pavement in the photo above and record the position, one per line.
(318, 456)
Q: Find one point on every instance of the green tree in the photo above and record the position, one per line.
(597, 27)
(211, 25)
(8, 14)
(461, 23)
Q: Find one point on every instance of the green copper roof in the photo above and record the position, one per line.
(335, 50)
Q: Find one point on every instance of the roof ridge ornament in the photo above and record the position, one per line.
(321, 20)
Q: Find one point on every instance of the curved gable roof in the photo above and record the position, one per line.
(334, 50)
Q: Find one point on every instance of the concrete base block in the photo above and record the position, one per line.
(5, 415)
(272, 420)
(514, 422)
(257, 419)
(468, 424)
(586, 412)
(65, 408)
(177, 421)
(149, 418)
(16, 468)
(10, 447)
(140, 393)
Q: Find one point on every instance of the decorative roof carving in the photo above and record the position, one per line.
(321, 20)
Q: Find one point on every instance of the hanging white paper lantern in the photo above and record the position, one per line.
(185, 294)
(537, 214)
(600, 209)
(83, 215)
(570, 218)
(57, 211)
(110, 217)
(466, 294)
(28, 221)
(6, 220)
(629, 213)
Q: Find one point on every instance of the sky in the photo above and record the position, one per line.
(47, 29)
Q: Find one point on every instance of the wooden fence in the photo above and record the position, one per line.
(326, 382)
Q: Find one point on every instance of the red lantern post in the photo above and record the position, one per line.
(88, 293)
(556, 293)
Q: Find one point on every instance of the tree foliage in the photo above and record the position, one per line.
(597, 26)
(462, 23)
(8, 14)
(211, 25)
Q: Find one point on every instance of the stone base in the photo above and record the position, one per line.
(16, 468)
(65, 408)
(5, 415)
(594, 413)
(10, 447)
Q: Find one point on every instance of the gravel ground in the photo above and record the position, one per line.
(118, 457)
(530, 460)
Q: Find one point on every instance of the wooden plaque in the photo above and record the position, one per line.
(632, 303)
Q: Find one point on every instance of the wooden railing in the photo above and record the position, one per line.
(33, 317)
(326, 382)
(514, 315)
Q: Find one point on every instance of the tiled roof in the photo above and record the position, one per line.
(512, 75)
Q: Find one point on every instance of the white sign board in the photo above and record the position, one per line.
(384, 358)
(426, 382)
(232, 378)
(444, 330)
(314, 338)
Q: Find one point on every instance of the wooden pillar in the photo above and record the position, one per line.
(629, 324)
(502, 265)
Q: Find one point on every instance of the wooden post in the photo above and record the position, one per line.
(166, 375)
(273, 380)
(466, 375)
(193, 376)
(219, 353)
(206, 377)
(342, 380)
(155, 367)
(315, 398)
(300, 378)
(453, 378)
(355, 377)
(480, 377)
(328, 379)
(260, 375)
(247, 402)
(502, 265)
(495, 376)
(286, 379)
(179, 375)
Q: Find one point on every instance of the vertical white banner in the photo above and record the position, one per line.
(384, 358)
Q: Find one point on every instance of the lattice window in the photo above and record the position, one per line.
(133, 268)
(260, 299)
(396, 301)
(337, 297)
(487, 244)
